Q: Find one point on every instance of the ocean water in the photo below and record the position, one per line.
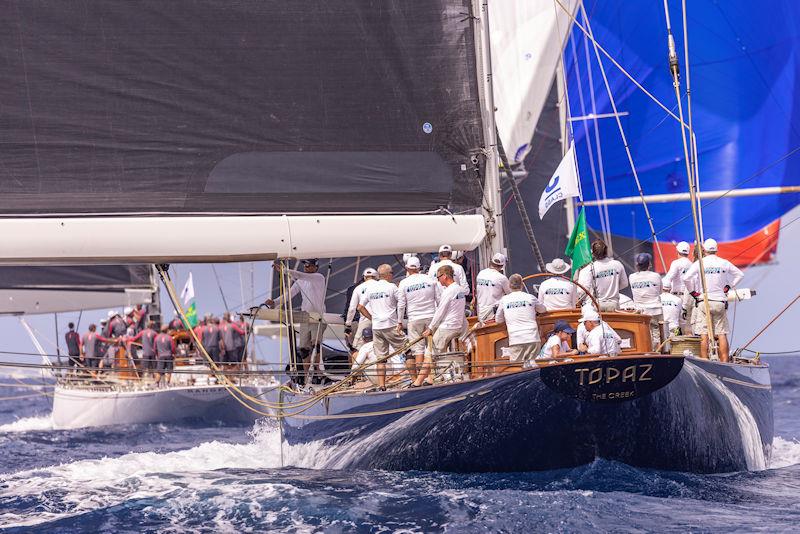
(173, 478)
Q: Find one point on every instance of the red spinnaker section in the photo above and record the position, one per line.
(754, 249)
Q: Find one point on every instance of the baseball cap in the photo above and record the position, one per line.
(445, 248)
(408, 255)
(369, 271)
(563, 326)
(710, 245)
(682, 247)
(499, 259)
(590, 316)
(412, 262)
(643, 259)
(311, 261)
(366, 333)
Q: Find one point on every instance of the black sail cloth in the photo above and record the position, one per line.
(245, 106)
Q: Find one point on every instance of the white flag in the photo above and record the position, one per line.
(563, 184)
(188, 291)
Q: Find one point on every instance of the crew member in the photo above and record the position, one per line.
(212, 339)
(448, 321)
(240, 340)
(556, 345)
(91, 346)
(311, 285)
(230, 331)
(601, 338)
(116, 324)
(418, 301)
(580, 337)
(491, 284)
(379, 305)
(678, 267)
(73, 340)
(604, 277)
(518, 310)
(445, 258)
(646, 287)
(721, 276)
(557, 293)
(165, 355)
(370, 276)
(148, 353)
(672, 308)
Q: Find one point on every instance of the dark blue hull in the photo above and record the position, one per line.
(701, 417)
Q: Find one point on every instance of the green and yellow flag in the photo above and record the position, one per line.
(578, 246)
(187, 296)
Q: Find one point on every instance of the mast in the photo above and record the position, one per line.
(491, 209)
(675, 71)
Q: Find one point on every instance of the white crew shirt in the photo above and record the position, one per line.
(449, 313)
(605, 278)
(417, 297)
(355, 300)
(553, 341)
(646, 290)
(719, 273)
(311, 287)
(558, 294)
(603, 340)
(380, 299)
(490, 286)
(672, 307)
(458, 273)
(580, 334)
(518, 310)
(674, 276)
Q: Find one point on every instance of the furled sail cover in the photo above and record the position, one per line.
(243, 106)
(745, 76)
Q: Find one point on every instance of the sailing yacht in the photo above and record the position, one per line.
(267, 131)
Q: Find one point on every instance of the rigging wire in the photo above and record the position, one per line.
(624, 138)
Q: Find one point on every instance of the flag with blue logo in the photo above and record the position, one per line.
(563, 184)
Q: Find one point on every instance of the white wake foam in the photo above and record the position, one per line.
(29, 424)
(785, 452)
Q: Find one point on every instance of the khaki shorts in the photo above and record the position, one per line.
(719, 318)
(487, 314)
(358, 339)
(307, 332)
(523, 352)
(415, 330)
(385, 338)
(442, 338)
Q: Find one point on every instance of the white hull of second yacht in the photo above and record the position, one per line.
(80, 408)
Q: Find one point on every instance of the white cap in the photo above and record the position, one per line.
(445, 248)
(499, 259)
(369, 271)
(682, 247)
(710, 245)
(412, 263)
(408, 255)
(590, 316)
(128, 310)
(111, 313)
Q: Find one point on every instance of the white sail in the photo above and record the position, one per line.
(527, 38)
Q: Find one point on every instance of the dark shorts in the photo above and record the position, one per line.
(214, 355)
(164, 363)
(92, 363)
(147, 361)
(232, 356)
(74, 360)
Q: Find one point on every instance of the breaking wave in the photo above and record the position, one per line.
(29, 424)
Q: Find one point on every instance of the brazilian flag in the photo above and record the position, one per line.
(578, 246)
(191, 315)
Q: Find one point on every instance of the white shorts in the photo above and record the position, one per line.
(719, 318)
(415, 330)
